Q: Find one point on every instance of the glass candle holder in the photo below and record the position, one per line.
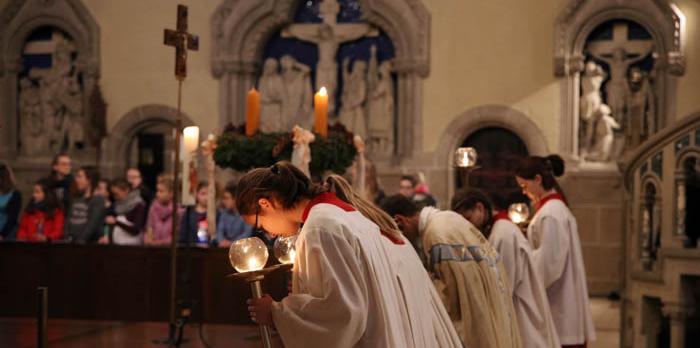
(519, 212)
(284, 249)
(465, 157)
(248, 254)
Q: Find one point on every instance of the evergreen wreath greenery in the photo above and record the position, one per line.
(237, 151)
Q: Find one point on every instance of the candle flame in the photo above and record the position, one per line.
(323, 91)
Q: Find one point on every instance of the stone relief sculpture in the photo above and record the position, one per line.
(31, 123)
(629, 116)
(53, 110)
(272, 93)
(328, 36)
(297, 96)
(605, 125)
(381, 111)
(641, 108)
(352, 113)
(591, 100)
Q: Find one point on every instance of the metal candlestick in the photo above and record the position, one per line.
(254, 278)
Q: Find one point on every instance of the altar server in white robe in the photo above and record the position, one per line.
(529, 296)
(468, 274)
(557, 250)
(347, 290)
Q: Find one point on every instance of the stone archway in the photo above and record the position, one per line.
(481, 117)
(116, 147)
(240, 30)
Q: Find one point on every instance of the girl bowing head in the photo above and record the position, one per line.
(347, 288)
(557, 253)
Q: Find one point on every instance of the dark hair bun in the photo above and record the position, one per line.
(557, 164)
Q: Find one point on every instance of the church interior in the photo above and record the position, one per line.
(409, 86)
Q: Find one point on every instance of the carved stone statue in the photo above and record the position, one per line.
(352, 114)
(301, 154)
(619, 53)
(381, 111)
(605, 125)
(328, 36)
(60, 104)
(31, 122)
(74, 117)
(591, 81)
(641, 108)
(297, 97)
(272, 92)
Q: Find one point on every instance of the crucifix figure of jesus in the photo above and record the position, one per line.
(619, 54)
(328, 36)
(182, 41)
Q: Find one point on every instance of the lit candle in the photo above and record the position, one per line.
(190, 137)
(252, 112)
(190, 141)
(321, 112)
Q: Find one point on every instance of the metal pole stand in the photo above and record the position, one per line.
(256, 289)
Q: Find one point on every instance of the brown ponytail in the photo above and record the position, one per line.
(546, 167)
(282, 181)
(344, 191)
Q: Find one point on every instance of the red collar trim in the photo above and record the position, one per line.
(550, 197)
(501, 215)
(328, 198)
(331, 198)
(396, 241)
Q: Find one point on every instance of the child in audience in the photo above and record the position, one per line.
(195, 217)
(85, 218)
(104, 189)
(230, 226)
(10, 203)
(130, 215)
(42, 219)
(160, 215)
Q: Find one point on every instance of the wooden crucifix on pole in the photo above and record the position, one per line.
(182, 41)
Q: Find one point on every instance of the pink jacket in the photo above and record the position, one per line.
(160, 221)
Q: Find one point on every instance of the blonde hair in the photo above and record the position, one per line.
(166, 181)
(344, 191)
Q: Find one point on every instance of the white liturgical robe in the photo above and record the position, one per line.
(535, 322)
(348, 290)
(557, 253)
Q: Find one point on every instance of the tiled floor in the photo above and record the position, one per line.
(606, 317)
(78, 334)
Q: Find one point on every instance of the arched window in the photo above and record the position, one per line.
(688, 199)
(499, 150)
(651, 223)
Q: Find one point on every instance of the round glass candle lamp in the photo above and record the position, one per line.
(519, 212)
(465, 157)
(248, 254)
(284, 249)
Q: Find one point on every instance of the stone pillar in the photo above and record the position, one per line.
(677, 313)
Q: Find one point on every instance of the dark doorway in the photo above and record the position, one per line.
(151, 148)
(499, 151)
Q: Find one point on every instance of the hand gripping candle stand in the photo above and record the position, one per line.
(248, 256)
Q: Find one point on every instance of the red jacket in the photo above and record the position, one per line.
(53, 228)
